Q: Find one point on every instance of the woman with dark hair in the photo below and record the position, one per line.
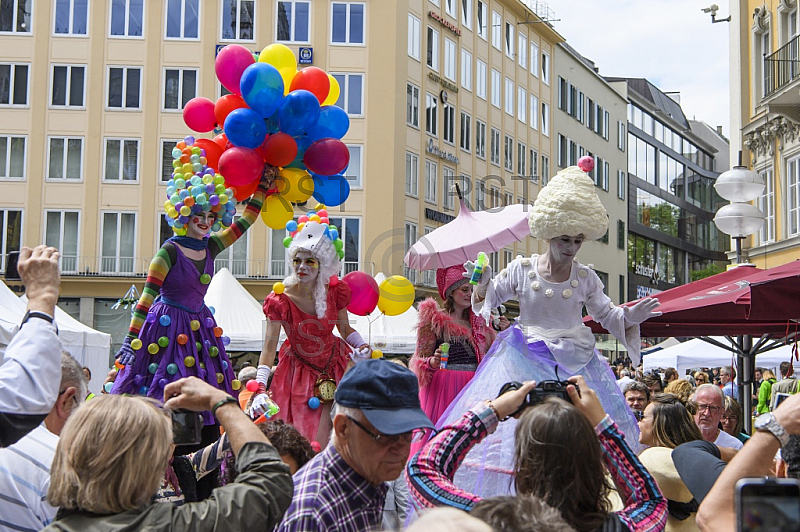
(732, 419)
(665, 424)
(562, 455)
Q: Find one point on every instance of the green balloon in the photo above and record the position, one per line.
(163, 341)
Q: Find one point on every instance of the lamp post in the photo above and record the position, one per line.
(739, 219)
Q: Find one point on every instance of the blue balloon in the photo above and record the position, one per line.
(333, 123)
(272, 122)
(245, 128)
(298, 112)
(313, 403)
(262, 88)
(330, 191)
(164, 320)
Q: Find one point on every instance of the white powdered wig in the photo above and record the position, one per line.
(322, 248)
(568, 205)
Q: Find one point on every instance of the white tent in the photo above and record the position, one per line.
(696, 353)
(237, 312)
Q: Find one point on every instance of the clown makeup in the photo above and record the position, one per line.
(200, 224)
(305, 266)
(565, 247)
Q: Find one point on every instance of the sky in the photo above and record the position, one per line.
(672, 43)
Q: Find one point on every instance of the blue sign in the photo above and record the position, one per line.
(219, 47)
(305, 56)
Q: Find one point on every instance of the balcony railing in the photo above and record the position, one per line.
(781, 67)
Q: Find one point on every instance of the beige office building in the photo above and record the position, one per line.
(438, 92)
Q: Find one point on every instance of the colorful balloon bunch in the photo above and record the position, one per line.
(195, 187)
(279, 116)
(320, 216)
(394, 296)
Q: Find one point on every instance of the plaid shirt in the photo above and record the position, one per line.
(330, 496)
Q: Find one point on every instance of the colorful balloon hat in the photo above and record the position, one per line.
(310, 231)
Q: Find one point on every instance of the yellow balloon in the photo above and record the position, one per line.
(276, 211)
(377, 353)
(396, 295)
(288, 75)
(278, 288)
(333, 93)
(295, 184)
(278, 55)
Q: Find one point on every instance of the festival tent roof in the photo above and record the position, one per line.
(697, 353)
(237, 312)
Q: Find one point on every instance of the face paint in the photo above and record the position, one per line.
(305, 266)
(564, 248)
(200, 224)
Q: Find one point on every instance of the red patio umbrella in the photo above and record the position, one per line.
(775, 293)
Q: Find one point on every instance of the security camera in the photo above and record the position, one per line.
(713, 8)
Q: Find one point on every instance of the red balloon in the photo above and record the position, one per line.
(225, 105)
(314, 80)
(252, 386)
(327, 157)
(280, 149)
(198, 113)
(242, 192)
(240, 166)
(364, 293)
(213, 152)
(222, 141)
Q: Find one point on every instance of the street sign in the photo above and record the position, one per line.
(305, 56)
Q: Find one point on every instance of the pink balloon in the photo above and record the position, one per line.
(327, 157)
(198, 113)
(231, 62)
(240, 166)
(364, 293)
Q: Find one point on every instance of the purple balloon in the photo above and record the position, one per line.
(327, 157)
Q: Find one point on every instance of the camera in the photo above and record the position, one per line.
(767, 504)
(187, 427)
(542, 391)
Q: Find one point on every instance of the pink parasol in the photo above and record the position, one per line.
(468, 234)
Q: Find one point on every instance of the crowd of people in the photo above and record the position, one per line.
(331, 439)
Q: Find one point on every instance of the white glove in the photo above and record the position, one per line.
(262, 375)
(361, 354)
(260, 405)
(483, 282)
(641, 311)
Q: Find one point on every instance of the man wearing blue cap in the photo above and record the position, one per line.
(377, 416)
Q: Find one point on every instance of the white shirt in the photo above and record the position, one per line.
(623, 382)
(25, 479)
(726, 440)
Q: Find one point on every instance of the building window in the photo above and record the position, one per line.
(605, 124)
(65, 158)
(347, 23)
(523, 51)
(450, 7)
(183, 18)
(534, 165)
(121, 160)
(480, 195)
(466, 131)
(509, 97)
(480, 82)
(545, 119)
(509, 40)
(522, 101)
(353, 173)
(124, 87)
(534, 111)
(15, 16)
(349, 232)
(497, 30)
(621, 135)
(522, 152)
(466, 70)
(68, 86)
(431, 114)
(431, 177)
(496, 88)
(237, 20)
(118, 242)
(494, 146)
(561, 153)
(10, 233)
(449, 193)
(12, 158)
(466, 13)
(621, 236)
(14, 84)
(449, 133)
(234, 257)
(480, 139)
(70, 17)
(180, 86)
(293, 21)
(483, 19)
(412, 174)
(127, 18)
(545, 68)
(449, 59)
(61, 232)
(409, 239)
(351, 93)
(534, 59)
(433, 49)
(621, 184)
(412, 105)
(508, 154)
(767, 205)
(166, 159)
(414, 28)
(793, 199)
(545, 169)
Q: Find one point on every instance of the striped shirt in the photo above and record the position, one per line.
(330, 496)
(24, 480)
(430, 472)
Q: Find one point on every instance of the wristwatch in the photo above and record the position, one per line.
(768, 423)
(36, 314)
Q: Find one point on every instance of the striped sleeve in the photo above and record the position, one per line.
(156, 273)
(225, 238)
(430, 472)
(208, 459)
(645, 507)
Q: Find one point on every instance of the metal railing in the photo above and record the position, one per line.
(781, 67)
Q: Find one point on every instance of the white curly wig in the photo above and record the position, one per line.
(324, 251)
(568, 205)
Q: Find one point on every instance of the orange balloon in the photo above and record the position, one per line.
(189, 201)
(213, 152)
(184, 158)
(181, 145)
(182, 339)
(225, 105)
(217, 331)
(243, 192)
(221, 140)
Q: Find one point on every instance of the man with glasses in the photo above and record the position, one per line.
(709, 401)
(376, 417)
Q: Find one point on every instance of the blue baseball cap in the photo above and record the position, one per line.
(387, 394)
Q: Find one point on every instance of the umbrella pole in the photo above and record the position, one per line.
(746, 360)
